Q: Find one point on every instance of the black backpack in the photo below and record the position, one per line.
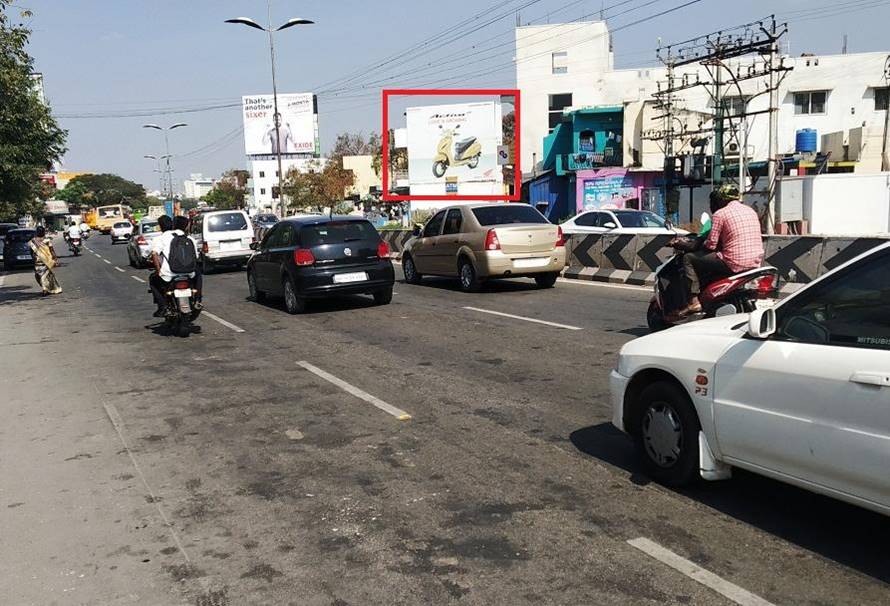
(182, 258)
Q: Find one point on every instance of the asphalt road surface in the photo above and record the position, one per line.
(268, 459)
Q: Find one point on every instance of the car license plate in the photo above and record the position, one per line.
(764, 303)
(231, 245)
(358, 276)
(24, 257)
(529, 263)
(182, 293)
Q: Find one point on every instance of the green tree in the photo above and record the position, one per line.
(229, 192)
(398, 157)
(103, 189)
(30, 138)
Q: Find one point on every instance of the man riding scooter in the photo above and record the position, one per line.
(734, 245)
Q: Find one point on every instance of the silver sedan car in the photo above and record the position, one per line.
(139, 244)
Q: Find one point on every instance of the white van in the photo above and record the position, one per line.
(223, 236)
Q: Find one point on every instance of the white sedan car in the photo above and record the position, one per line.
(121, 231)
(618, 221)
(799, 392)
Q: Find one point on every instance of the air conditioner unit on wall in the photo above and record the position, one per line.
(732, 150)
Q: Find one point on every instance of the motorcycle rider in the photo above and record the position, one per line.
(734, 245)
(84, 229)
(160, 279)
(73, 232)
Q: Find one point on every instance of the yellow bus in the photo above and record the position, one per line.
(106, 216)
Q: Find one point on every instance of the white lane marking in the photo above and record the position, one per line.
(398, 413)
(98, 256)
(225, 323)
(695, 572)
(604, 284)
(123, 271)
(107, 261)
(118, 424)
(535, 320)
(138, 279)
(2, 279)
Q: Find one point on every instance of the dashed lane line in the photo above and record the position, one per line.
(107, 261)
(225, 323)
(604, 284)
(138, 279)
(123, 271)
(398, 413)
(740, 596)
(525, 319)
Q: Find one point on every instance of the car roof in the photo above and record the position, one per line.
(20, 229)
(322, 219)
(221, 212)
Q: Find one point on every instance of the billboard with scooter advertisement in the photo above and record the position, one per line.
(453, 146)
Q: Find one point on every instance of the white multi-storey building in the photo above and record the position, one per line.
(197, 186)
(264, 176)
(564, 66)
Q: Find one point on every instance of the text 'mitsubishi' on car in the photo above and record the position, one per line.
(799, 392)
(479, 242)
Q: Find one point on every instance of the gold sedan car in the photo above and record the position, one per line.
(477, 242)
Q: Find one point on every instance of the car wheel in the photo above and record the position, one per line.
(655, 319)
(293, 303)
(383, 297)
(255, 293)
(469, 281)
(410, 270)
(547, 280)
(666, 434)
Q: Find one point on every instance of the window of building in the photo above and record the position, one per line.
(810, 102)
(262, 191)
(734, 106)
(560, 62)
(262, 174)
(558, 103)
(882, 99)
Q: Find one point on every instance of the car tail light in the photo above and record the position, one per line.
(560, 237)
(304, 257)
(383, 250)
(205, 247)
(491, 240)
(141, 241)
(181, 285)
(763, 285)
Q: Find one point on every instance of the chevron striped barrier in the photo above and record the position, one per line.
(629, 259)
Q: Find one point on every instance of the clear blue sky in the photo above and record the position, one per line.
(108, 57)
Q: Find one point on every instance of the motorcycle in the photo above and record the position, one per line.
(181, 305)
(74, 246)
(448, 153)
(735, 294)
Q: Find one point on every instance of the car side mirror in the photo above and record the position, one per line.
(762, 323)
(417, 231)
(609, 225)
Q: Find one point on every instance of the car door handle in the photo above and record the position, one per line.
(876, 379)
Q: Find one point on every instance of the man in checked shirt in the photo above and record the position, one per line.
(733, 246)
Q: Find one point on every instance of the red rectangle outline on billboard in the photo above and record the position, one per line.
(501, 92)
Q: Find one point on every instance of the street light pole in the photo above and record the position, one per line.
(277, 117)
(167, 156)
(158, 170)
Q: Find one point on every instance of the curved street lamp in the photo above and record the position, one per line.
(167, 156)
(277, 118)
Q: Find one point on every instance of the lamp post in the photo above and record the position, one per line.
(277, 117)
(167, 147)
(158, 169)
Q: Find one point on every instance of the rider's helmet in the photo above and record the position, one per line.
(722, 196)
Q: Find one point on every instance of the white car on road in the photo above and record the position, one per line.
(619, 221)
(121, 231)
(799, 392)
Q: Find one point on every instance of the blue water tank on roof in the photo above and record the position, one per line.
(806, 141)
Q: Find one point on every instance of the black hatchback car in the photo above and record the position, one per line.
(16, 251)
(315, 257)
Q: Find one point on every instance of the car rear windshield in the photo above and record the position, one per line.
(121, 225)
(267, 218)
(150, 228)
(508, 213)
(337, 232)
(635, 218)
(20, 236)
(226, 222)
(6, 228)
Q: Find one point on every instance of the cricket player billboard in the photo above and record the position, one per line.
(449, 145)
(297, 132)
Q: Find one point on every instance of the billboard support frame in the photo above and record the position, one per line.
(443, 92)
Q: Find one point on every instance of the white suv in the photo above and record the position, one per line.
(223, 237)
(799, 392)
(121, 231)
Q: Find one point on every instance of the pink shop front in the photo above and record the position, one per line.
(619, 188)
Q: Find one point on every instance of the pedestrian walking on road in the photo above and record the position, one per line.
(44, 261)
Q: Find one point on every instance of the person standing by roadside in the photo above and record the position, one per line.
(44, 261)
